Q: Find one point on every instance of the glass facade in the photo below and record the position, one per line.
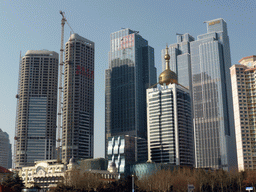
(36, 129)
(121, 150)
(212, 99)
(142, 170)
(131, 71)
(202, 65)
(180, 61)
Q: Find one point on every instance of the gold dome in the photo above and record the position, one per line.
(167, 76)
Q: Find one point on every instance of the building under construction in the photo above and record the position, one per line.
(78, 99)
(35, 137)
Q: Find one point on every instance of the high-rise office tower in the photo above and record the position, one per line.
(212, 98)
(180, 61)
(170, 129)
(203, 67)
(244, 102)
(78, 99)
(35, 137)
(131, 71)
(5, 150)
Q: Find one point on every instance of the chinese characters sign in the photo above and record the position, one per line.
(127, 41)
(85, 72)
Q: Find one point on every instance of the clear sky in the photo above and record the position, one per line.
(36, 25)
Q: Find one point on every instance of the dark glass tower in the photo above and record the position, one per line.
(131, 71)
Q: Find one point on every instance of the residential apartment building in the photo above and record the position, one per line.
(78, 99)
(35, 135)
(243, 80)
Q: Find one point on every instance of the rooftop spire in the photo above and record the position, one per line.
(167, 76)
(167, 58)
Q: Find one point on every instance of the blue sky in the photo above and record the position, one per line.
(35, 25)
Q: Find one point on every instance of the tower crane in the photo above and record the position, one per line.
(60, 101)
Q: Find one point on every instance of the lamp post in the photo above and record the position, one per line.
(132, 183)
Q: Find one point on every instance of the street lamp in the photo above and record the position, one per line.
(132, 183)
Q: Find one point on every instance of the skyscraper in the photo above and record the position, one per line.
(131, 71)
(212, 99)
(170, 130)
(202, 65)
(78, 99)
(244, 101)
(180, 61)
(5, 150)
(35, 137)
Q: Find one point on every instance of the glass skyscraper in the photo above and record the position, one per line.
(212, 98)
(35, 136)
(180, 61)
(131, 71)
(202, 65)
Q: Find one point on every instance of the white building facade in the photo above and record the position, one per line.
(44, 174)
(244, 101)
(35, 135)
(170, 130)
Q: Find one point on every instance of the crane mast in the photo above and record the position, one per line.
(60, 102)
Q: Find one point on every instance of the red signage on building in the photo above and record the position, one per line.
(85, 72)
(127, 41)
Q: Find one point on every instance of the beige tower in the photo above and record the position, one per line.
(78, 99)
(35, 137)
(243, 80)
